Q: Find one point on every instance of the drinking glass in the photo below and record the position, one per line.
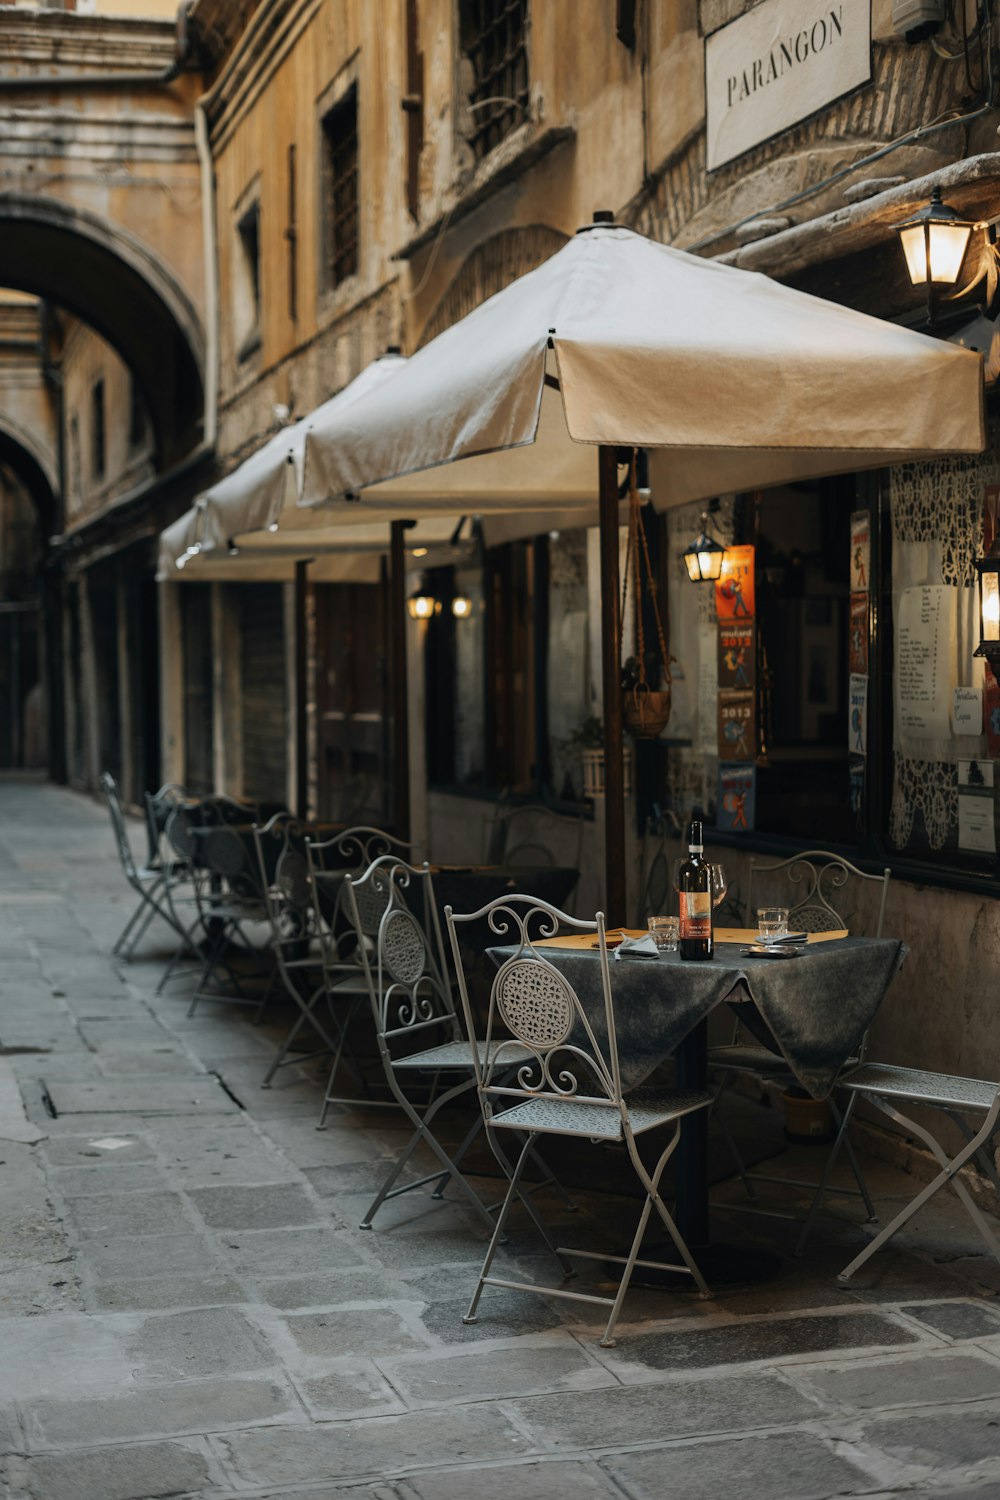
(720, 884)
(772, 922)
(664, 931)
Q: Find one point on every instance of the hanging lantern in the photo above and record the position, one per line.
(934, 241)
(422, 605)
(703, 559)
(461, 606)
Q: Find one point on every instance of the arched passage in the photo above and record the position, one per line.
(34, 468)
(110, 279)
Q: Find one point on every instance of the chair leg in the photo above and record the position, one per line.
(145, 913)
(730, 1140)
(842, 1138)
(949, 1174)
(126, 931)
(499, 1227)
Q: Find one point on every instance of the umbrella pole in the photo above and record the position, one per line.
(301, 674)
(400, 698)
(614, 772)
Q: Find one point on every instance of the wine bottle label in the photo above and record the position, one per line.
(696, 914)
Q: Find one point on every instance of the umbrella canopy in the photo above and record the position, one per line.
(742, 382)
(252, 497)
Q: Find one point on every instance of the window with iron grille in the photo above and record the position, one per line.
(340, 137)
(493, 37)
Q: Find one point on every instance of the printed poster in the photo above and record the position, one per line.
(925, 635)
(737, 726)
(858, 635)
(967, 710)
(736, 803)
(857, 741)
(991, 708)
(734, 592)
(856, 775)
(976, 821)
(861, 552)
(737, 655)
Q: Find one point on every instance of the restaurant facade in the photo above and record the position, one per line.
(378, 171)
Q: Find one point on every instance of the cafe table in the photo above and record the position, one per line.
(811, 1009)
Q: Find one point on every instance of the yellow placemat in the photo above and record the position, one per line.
(587, 939)
(749, 935)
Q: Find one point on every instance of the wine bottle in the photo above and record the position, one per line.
(694, 888)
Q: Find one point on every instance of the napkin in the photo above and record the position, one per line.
(640, 947)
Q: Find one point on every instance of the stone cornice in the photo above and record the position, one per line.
(65, 42)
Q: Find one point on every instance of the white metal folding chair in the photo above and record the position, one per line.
(887, 1088)
(570, 1086)
(147, 881)
(402, 956)
(810, 883)
(332, 864)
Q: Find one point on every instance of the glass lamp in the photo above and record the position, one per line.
(703, 559)
(461, 606)
(422, 606)
(988, 569)
(934, 241)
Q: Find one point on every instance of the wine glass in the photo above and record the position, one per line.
(720, 884)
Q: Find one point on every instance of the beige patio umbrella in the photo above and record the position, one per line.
(732, 380)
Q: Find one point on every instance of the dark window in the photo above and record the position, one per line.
(292, 237)
(248, 281)
(98, 457)
(493, 37)
(340, 188)
(136, 415)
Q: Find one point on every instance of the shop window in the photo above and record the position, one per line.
(246, 282)
(340, 189)
(493, 41)
(98, 455)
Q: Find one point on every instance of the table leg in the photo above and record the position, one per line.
(692, 1151)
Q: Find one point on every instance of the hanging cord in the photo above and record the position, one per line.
(637, 535)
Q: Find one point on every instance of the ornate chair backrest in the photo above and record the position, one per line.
(159, 807)
(814, 886)
(662, 827)
(286, 882)
(533, 1006)
(401, 952)
(227, 853)
(532, 835)
(110, 789)
(345, 855)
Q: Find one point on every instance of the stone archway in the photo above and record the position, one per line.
(112, 280)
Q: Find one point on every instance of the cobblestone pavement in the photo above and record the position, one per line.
(189, 1307)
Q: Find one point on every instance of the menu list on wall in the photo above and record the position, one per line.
(925, 634)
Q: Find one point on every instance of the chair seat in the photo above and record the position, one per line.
(922, 1088)
(459, 1055)
(646, 1108)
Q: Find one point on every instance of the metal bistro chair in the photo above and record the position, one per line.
(887, 1087)
(816, 879)
(230, 898)
(147, 881)
(402, 958)
(183, 819)
(332, 863)
(299, 941)
(570, 1086)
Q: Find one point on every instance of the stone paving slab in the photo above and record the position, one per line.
(779, 1466)
(105, 1215)
(557, 1479)
(208, 1341)
(376, 1447)
(162, 1292)
(168, 1411)
(670, 1409)
(269, 1205)
(135, 1472)
(349, 1388)
(944, 1440)
(738, 1343)
(145, 1096)
(958, 1320)
(496, 1371)
(937, 1377)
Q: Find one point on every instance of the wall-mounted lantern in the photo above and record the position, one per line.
(934, 241)
(988, 569)
(422, 605)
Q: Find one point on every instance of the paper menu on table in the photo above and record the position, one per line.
(926, 621)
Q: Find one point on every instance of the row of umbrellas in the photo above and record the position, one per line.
(730, 380)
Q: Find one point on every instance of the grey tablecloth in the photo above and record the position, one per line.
(812, 1010)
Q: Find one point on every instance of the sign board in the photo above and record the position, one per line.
(779, 63)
